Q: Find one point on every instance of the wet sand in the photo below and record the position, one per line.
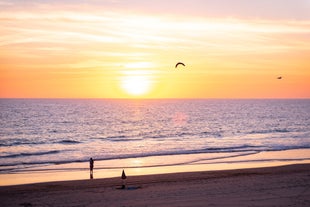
(272, 186)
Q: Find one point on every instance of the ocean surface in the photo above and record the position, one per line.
(45, 132)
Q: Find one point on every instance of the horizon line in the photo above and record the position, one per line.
(85, 98)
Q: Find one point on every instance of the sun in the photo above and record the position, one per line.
(136, 84)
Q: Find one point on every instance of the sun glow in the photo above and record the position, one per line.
(136, 84)
(129, 50)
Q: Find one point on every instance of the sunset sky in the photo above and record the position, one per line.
(128, 49)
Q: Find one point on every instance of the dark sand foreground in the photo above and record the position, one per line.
(274, 186)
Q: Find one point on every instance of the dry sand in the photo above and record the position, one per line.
(273, 186)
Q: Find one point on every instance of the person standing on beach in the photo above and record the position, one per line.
(91, 167)
(124, 179)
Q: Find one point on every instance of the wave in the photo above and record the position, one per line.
(43, 162)
(255, 160)
(269, 131)
(18, 143)
(31, 154)
(125, 140)
(121, 138)
(124, 156)
(240, 150)
(111, 138)
(67, 141)
(211, 134)
(31, 164)
(282, 148)
(159, 136)
(199, 161)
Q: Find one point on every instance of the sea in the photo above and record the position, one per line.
(46, 132)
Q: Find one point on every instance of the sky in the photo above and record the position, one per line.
(128, 49)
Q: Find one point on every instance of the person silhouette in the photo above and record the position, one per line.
(123, 179)
(91, 167)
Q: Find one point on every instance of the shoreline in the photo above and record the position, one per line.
(150, 165)
(281, 186)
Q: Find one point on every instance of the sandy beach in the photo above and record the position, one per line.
(272, 186)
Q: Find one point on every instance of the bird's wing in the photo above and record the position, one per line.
(179, 63)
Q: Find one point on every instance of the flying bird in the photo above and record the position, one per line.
(280, 77)
(179, 63)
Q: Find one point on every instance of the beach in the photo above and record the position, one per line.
(174, 152)
(287, 185)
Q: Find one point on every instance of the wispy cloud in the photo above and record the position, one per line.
(106, 37)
